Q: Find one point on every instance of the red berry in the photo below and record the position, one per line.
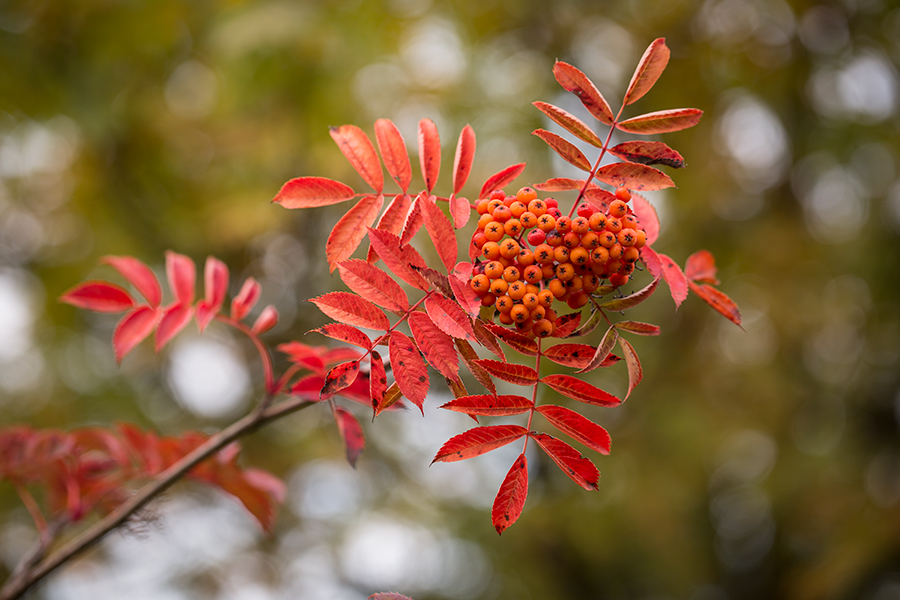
(536, 237)
(585, 210)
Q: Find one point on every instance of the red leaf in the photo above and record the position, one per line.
(460, 210)
(429, 152)
(436, 345)
(449, 317)
(570, 355)
(638, 328)
(174, 319)
(345, 333)
(414, 219)
(490, 405)
(660, 264)
(635, 372)
(410, 371)
(139, 275)
(469, 356)
(663, 121)
(246, 299)
(350, 230)
(509, 372)
(356, 146)
(391, 220)
(603, 350)
(647, 217)
(576, 389)
(634, 177)
(632, 300)
(600, 198)
(577, 426)
(393, 152)
(441, 233)
(266, 320)
(478, 441)
(308, 387)
(438, 281)
(132, 329)
(487, 339)
(567, 324)
(650, 67)
(351, 309)
(377, 381)
(570, 123)
(373, 284)
(510, 499)
(560, 184)
(387, 245)
(462, 291)
(462, 162)
(99, 296)
(182, 275)
(514, 340)
(351, 433)
(573, 80)
(719, 301)
(310, 192)
(579, 469)
(215, 287)
(388, 596)
(339, 378)
(701, 267)
(648, 153)
(500, 179)
(566, 149)
(269, 486)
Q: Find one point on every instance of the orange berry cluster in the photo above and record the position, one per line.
(533, 254)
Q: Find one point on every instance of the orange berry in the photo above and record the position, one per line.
(520, 313)
(513, 227)
(627, 237)
(565, 271)
(590, 240)
(571, 240)
(600, 255)
(505, 318)
(590, 282)
(580, 225)
(618, 209)
(530, 300)
(615, 251)
(480, 284)
(525, 258)
(494, 231)
(509, 248)
(526, 194)
(530, 288)
(517, 209)
(607, 239)
(482, 206)
(499, 287)
(548, 270)
(564, 224)
(488, 299)
(577, 300)
(504, 262)
(617, 279)
(579, 256)
(543, 254)
(491, 250)
(528, 220)
(557, 288)
(538, 312)
(494, 203)
(517, 290)
(483, 220)
(533, 274)
(545, 297)
(546, 223)
(612, 224)
(537, 207)
(623, 194)
(640, 239)
(597, 221)
(630, 221)
(504, 304)
(576, 284)
(511, 274)
(551, 315)
(524, 326)
(542, 328)
(561, 254)
(502, 214)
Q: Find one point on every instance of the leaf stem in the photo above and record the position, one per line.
(534, 390)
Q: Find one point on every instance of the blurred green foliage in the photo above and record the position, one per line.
(762, 463)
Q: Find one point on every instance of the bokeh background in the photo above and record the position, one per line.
(762, 463)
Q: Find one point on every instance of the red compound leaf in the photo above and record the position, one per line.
(649, 68)
(462, 162)
(647, 216)
(634, 177)
(409, 369)
(132, 329)
(577, 426)
(351, 309)
(490, 405)
(509, 372)
(350, 230)
(436, 345)
(139, 275)
(311, 192)
(373, 284)
(478, 441)
(351, 433)
(174, 319)
(577, 389)
(648, 153)
(449, 317)
(579, 468)
(345, 333)
(393, 152)
(441, 233)
(635, 372)
(501, 179)
(510, 499)
(99, 296)
(719, 301)
(429, 153)
(701, 267)
(182, 275)
(663, 121)
(566, 149)
(356, 146)
(573, 80)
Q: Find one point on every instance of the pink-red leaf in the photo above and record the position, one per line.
(574, 388)
(410, 371)
(660, 264)
(487, 339)
(356, 146)
(634, 177)
(514, 340)
(638, 328)
(338, 378)
(377, 382)
(560, 184)
(350, 230)
(351, 309)
(441, 233)
(490, 405)
(570, 355)
(397, 259)
(701, 267)
(478, 441)
(579, 468)
(246, 299)
(310, 192)
(373, 284)
(215, 287)
(510, 372)
(577, 426)
(462, 291)
(500, 179)
(510, 498)
(174, 319)
(436, 345)
(429, 152)
(414, 219)
(648, 153)
(439, 281)
(635, 372)
(393, 152)
(465, 156)
(352, 434)
(647, 217)
(345, 333)
(132, 329)
(460, 210)
(391, 220)
(632, 300)
(567, 324)
(603, 350)
(139, 275)
(266, 320)
(182, 275)
(599, 197)
(573, 80)
(388, 596)
(663, 121)
(649, 68)
(719, 301)
(470, 358)
(99, 296)
(449, 317)
(570, 123)
(566, 149)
